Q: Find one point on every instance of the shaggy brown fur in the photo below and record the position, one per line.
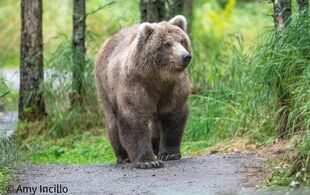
(143, 84)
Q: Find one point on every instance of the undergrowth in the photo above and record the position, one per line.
(9, 150)
(63, 119)
(9, 160)
(283, 67)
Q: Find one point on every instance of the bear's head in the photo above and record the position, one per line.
(164, 46)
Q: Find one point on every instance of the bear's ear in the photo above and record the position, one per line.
(179, 21)
(145, 30)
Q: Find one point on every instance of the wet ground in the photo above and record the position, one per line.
(11, 77)
(8, 121)
(224, 174)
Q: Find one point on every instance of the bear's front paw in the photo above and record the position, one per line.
(149, 165)
(166, 157)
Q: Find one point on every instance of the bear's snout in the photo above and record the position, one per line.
(186, 57)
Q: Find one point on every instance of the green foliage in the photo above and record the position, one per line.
(9, 153)
(241, 93)
(63, 119)
(215, 29)
(4, 90)
(9, 97)
(57, 18)
(84, 148)
(283, 67)
(229, 101)
(9, 160)
(9, 33)
(236, 104)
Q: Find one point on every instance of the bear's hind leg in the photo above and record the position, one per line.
(111, 121)
(113, 133)
(119, 151)
(155, 145)
(155, 129)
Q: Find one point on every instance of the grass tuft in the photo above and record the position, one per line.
(283, 68)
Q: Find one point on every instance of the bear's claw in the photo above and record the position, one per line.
(166, 157)
(149, 165)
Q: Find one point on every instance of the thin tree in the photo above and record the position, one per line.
(188, 13)
(303, 7)
(282, 13)
(31, 103)
(181, 7)
(79, 50)
(175, 7)
(152, 10)
(158, 10)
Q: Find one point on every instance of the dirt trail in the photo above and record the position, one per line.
(216, 173)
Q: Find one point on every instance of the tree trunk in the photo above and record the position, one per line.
(152, 10)
(188, 13)
(175, 7)
(78, 49)
(282, 13)
(31, 103)
(303, 7)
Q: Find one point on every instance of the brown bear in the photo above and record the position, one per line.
(143, 84)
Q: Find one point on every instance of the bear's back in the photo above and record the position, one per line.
(109, 59)
(117, 44)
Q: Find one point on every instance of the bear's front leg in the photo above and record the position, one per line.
(136, 139)
(135, 111)
(173, 125)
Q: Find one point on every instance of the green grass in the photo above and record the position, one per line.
(85, 148)
(283, 68)
(9, 101)
(9, 152)
(77, 149)
(10, 158)
(216, 32)
(8, 96)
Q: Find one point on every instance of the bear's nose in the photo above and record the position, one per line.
(186, 58)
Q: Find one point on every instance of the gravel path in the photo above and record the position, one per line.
(208, 174)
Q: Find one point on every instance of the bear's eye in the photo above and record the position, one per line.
(168, 45)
